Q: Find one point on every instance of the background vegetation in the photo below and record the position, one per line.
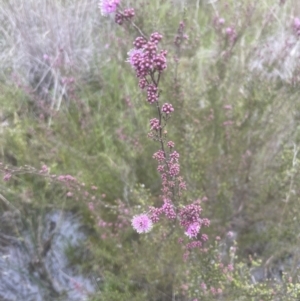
(70, 103)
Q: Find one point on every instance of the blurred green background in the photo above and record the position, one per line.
(69, 100)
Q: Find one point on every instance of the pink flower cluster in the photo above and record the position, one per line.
(296, 26)
(152, 93)
(154, 124)
(7, 177)
(111, 6)
(168, 209)
(191, 221)
(126, 15)
(66, 178)
(149, 62)
(169, 168)
(145, 57)
(108, 6)
(159, 156)
(167, 108)
(231, 34)
(180, 36)
(44, 169)
(171, 144)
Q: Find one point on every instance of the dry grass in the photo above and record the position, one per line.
(47, 41)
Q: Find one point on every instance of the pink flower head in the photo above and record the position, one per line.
(296, 26)
(142, 223)
(174, 157)
(229, 31)
(227, 107)
(46, 57)
(221, 21)
(230, 234)
(159, 156)
(194, 244)
(152, 94)
(297, 23)
(7, 177)
(174, 169)
(193, 230)
(171, 144)
(189, 215)
(108, 6)
(203, 286)
(154, 124)
(155, 213)
(139, 42)
(155, 37)
(204, 237)
(44, 169)
(129, 13)
(168, 209)
(167, 108)
(143, 83)
(133, 55)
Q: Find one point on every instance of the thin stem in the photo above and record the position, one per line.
(139, 30)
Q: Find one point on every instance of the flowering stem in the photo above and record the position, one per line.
(148, 63)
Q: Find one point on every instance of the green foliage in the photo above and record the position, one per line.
(248, 169)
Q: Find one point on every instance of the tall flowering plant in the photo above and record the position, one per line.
(149, 63)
